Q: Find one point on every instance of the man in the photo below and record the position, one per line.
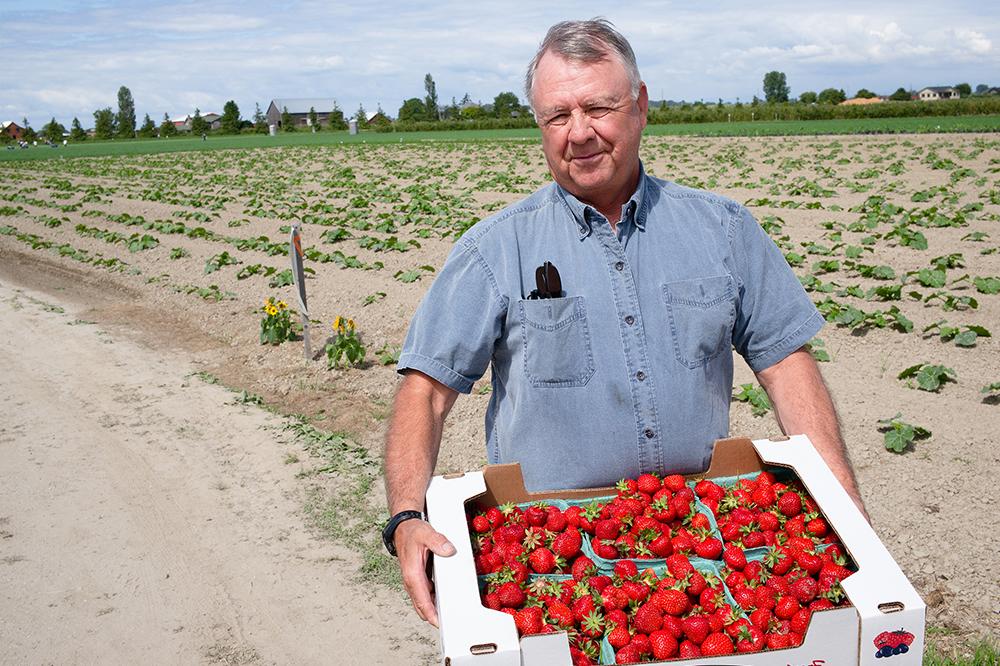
(628, 369)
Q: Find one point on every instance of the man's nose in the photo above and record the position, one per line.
(580, 130)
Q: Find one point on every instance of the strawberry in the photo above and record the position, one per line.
(627, 487)
(753, 539)
(679, 565)
(572, 515)
(779, 560)
(800, 621)
(542, 561)
(529, 620)
(583, 608)
(664, 644)
(786, 607)
(510, 595)
(716, 644)
(821, 604)
(761, 618)
(661, 546)
(673, 602)
(495, 517)
(556, 520)
(734, 557)
(567, 544)
(617, 617)
(749, 639)
(745, 597)
(604, 548)
(688, 650)
(636, 590)
(648, 483)
(805, 589)
(592, 625)
(582, 567)
(560, 614)
(674, 625)
(535, 515)
(626, 570)
(674, 482)
(763, 497)
(778, 641)
(480, 524)
(628, 655)
(648, 618)
(696, 628)
(607, 529)
(817, 527)
(765, 597)
(618, 636)
(809, 562)
(642, 644)
(767, 521)
(696, 584)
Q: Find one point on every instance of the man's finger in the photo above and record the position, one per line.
(439, 545)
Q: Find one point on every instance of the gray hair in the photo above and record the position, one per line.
(586, 41)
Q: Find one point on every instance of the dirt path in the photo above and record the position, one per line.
(146, 518)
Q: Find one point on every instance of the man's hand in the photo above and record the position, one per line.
(411, 449)
(415, 540)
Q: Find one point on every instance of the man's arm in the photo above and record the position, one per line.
(803, 405)
(411, 451)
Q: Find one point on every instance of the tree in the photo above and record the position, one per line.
(335, 120)
(412, 110)
(167, 127)
(313, 119)
(864, 93)
(53, 131)
(380, 121)
(148, 128)
(964, 89)
(198, 124)
(505, 104)
(831, 96)
(808, 97)
(981, 88)
(361, 115)
(76, 131)
(472, 112)
(431, 99)
(287, 123)
(901, 95)
(104, 123)
(229, 122)
(259, 120)
(125, 119)
(775, 87)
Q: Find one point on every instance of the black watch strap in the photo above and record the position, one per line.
(389, 531)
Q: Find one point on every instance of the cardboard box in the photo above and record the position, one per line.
(882, 599)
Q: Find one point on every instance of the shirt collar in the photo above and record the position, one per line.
(632, 209)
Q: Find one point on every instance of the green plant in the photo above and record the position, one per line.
(346, 348)
(219, 260)
(756, 397)
(927, 377)
(414, 274)
(964, 336)
(276, 326)
(900, 434)
(388, 354)
(179, 253)
(987, 285)
(371, 298)
(818, 350)
(991, 391)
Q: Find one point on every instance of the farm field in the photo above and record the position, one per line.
(896, 237)
(932, 124)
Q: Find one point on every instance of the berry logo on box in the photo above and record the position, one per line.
(890, 643)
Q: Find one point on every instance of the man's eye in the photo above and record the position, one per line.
(598, 111)
(560, 119)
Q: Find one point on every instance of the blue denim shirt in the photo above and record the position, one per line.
(630, 370)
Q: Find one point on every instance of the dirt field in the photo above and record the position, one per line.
(143, 470)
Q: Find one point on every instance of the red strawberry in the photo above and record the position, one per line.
(556, 520)
(607, 529)
(510, 595)
(592, 624)
(688, 650)
(821, 604)
(810, 562)
(535, 515)
(786, 607)
(753, 539)
(542, 560)
(716, 644)
(642, 644)
(529, 620)
(767, 521)
(583, 608)
(617, 617)
(696, 627)
(734, 557)
(628, 655)
(673, 602)
(626, 570)
(618, 637)
(664, 644)
(674, 625)
(648, 483)
(679, 565)
(582, 567)
(764, 497)
(744, 596)
(800, 621)
(749, 639)
(817, 527)
(480, 524)
(636, 590)
(805, 589)
(599, 582)
(648, 618)
(661, 546)
(614, 598)
(604, 548)
(761, 618)
(495, 517)
(765, 597)
(560, 614)
(567, 544)
(696, 584)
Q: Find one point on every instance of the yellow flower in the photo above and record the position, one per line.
(271, 310)
(282, 305)
(336, 323)
(350, 324)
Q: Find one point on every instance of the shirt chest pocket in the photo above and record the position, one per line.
(701, 313)
(556, 342)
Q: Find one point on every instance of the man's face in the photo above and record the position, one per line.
(590, 125)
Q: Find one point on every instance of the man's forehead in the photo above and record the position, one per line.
(559, 80)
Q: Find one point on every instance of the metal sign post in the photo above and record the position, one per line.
(298, 275)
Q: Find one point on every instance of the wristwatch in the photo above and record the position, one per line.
(389, 531)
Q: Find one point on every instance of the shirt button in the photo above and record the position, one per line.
(629, 320)
(649, 433)
(619, 265)
(640, 375)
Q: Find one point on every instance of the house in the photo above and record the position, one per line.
(183, 123)
(937, 92)
(11, 129)
(376, 118)
(854, 101)
(298, 108)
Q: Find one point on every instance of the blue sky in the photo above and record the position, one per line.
(66, 59)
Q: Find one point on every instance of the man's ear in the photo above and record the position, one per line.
(643, 102)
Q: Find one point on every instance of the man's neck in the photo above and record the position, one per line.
(611, 207)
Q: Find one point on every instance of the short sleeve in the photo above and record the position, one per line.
(453, 333)
(775, 315)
